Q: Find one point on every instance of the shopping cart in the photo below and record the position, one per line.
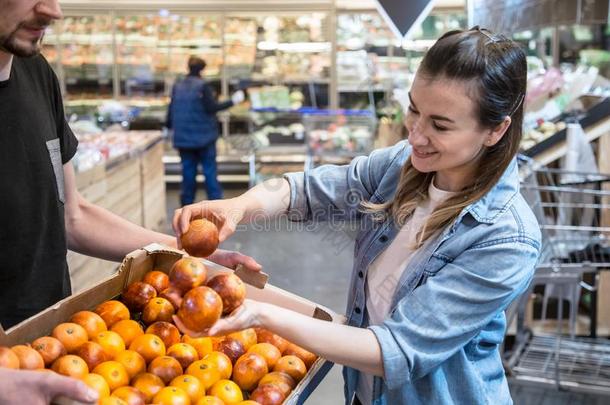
(573, 210)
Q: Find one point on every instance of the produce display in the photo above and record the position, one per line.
(339, 135)
(130, 358)
(95, 147)
(542, 131)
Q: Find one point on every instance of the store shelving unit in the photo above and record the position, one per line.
(109, 50)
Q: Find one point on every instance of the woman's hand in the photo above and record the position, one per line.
(232, 259)
(245, 316)
(225, 214)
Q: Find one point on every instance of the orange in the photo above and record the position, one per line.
(157, 309)
(308, 357)
(111, 341)
(248, 371)
(166, 368)
(128, 329)
(184, 353)
(92, 322)
(227, 391)
(149, 384)
(209, 400)
(281, 380)
(112, 311)
(191, 385)
(266, 336)
(222, 362)
(157, 279)
(49, 348)
(293, 366)
(205, 372)
(98, 383)
(203, 345)
(216, 341)
(131, 395)
(29, 359)
(133, 362)
(248, 402)
(71, 335)
(93, 353)
(168, 332)
(8, 358)
(148, 346)
(112, 401)
(71, 365)
(114, 373)
(172, 396)
(270, 353)
(247, 337)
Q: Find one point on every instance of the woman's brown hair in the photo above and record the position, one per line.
(496, 67)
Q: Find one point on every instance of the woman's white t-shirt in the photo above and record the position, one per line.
(386, 270)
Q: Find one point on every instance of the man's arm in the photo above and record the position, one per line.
(94, 231)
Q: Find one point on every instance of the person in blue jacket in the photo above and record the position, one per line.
(445, 242)
(192, 117)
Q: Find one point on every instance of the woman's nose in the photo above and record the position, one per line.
(416, 134)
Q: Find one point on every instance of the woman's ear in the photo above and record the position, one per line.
(494, 136)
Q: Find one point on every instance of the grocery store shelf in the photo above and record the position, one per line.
(595, 124)
(574, 364)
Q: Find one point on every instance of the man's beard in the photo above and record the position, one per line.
(23, 48)
(12, 45)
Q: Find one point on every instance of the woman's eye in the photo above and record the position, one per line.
(413, 110)
(438, 127)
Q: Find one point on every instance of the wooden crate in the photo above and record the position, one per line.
(152, 171)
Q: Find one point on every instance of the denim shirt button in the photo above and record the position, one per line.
(383, 239)
(357, 310)
(360, 274)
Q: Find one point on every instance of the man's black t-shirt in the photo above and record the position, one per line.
(35, 142)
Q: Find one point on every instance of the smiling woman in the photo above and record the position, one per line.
(464, 123)
(446, 242)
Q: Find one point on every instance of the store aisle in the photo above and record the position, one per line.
(315, 264)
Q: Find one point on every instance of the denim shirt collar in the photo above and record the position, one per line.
(498, 199)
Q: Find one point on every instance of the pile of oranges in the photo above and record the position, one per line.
(131, 353)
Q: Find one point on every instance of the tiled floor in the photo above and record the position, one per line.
(316, 263)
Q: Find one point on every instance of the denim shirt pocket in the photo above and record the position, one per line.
(54, 150)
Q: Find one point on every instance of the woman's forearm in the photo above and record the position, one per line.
(267, 200)
(346, 345)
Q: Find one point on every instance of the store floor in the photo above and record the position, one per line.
(315, 263)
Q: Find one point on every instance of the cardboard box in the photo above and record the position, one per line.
(158, 257)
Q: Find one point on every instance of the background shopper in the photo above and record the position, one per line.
(192, 116)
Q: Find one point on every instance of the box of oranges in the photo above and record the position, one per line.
(119, 337)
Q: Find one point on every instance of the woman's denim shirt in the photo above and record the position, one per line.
(440, 342)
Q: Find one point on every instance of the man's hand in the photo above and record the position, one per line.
(231, 259)
(20, 387)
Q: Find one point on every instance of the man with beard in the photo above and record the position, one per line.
(42, 213)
